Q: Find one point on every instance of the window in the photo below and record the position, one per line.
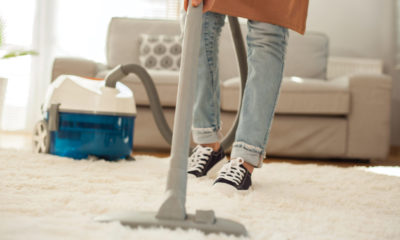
(18, 30)
(59, 28)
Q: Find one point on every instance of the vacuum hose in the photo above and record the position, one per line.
(123, 70)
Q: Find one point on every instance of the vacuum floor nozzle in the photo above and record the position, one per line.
(204, 221)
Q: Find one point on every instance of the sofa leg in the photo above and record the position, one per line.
(364, 161)
(322, 160)
(351, 160)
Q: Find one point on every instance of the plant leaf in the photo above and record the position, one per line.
(19, 53)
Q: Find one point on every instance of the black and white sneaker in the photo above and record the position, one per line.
(203, 159)
(233, 177)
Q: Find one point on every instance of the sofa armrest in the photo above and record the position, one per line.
(74, 66)
(369, 117)
(344, 66)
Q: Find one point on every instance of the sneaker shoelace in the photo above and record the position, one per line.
(232, 171)
(199, 158)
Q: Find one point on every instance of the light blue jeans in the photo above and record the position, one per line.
(266, 53)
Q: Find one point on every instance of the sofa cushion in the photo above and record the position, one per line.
(160, 52)
(166, 83)
(307, 55)
(298, 96)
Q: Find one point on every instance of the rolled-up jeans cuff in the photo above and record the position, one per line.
(250, 154)
(205, 135)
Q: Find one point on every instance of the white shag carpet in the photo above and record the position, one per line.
(49, 197)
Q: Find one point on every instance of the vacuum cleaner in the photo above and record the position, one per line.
(85, 119)
(172, 212)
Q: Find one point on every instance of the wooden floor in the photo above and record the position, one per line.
(21, 141)
(392, 160)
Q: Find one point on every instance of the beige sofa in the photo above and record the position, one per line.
(329, 107)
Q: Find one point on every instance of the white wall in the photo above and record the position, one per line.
(361, 28)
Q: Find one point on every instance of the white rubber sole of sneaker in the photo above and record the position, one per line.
(228, 190)
(224, 188)
(213, 172)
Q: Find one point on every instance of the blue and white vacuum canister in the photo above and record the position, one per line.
(83, 118)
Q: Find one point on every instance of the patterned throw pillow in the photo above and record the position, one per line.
(160, 52)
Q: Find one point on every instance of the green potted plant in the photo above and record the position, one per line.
(6, 54)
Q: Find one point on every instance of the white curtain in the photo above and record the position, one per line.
(74, 28)
(45, 42)
(17, 16)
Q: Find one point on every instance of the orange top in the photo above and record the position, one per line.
(287, 13)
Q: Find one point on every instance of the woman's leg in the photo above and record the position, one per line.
(266, 53)
(206, 109)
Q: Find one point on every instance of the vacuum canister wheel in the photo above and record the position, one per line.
(41, 137)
